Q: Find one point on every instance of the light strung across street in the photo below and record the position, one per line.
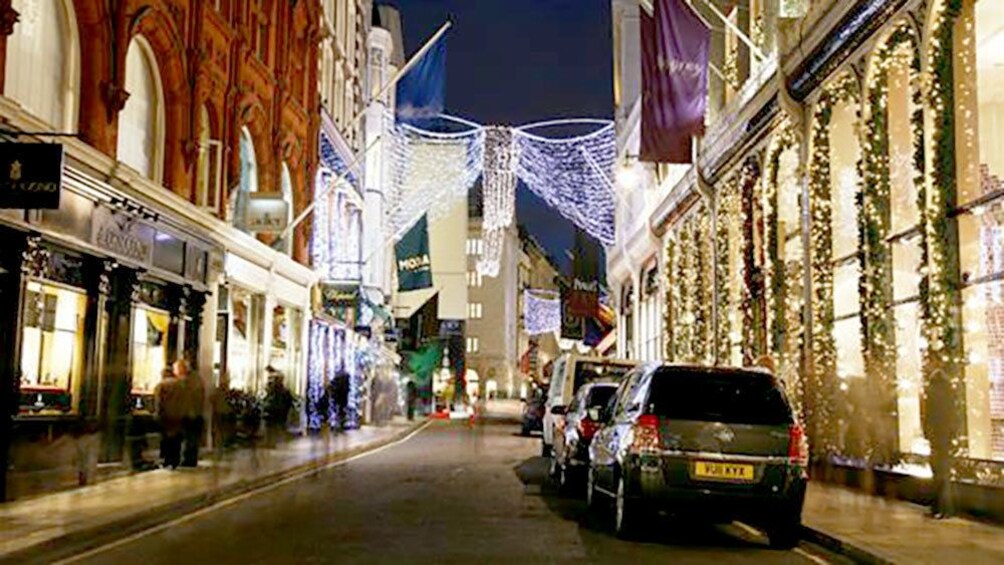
(542, 313)
(432, 170)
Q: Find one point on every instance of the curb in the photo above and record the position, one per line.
(74, 543)
(857, 552)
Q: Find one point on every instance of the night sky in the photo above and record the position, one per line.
(522, 61)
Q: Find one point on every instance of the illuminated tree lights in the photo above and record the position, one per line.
(542, 311)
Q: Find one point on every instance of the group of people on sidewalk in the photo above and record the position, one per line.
(180, 399)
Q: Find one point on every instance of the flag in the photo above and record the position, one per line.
(414, 267)
(421, 92)
(674, 44)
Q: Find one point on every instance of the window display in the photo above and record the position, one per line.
(52, 348)
(149, 349)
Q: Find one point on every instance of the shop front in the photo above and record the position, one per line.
(99, 295)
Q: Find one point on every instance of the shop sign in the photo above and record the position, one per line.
(571, 325)
(31, 175)
(414, 267)
(266, 212)
(583, 298)
(340, 302)
(448, 328)
(122, 235)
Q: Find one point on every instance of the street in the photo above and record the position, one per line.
(453, 493)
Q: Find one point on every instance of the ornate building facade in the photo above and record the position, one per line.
(841, 224)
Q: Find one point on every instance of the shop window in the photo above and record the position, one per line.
(52, 348)
(43, 61)
(844, 179)
(245, 315)
(149, 349)
(141, 122)
(285, 344)
(847, 335)
(981, 227)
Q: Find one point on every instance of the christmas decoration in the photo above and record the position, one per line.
(542, 311)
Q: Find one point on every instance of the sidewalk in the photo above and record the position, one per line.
(48, 527)
(879, 530)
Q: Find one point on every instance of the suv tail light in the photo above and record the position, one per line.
(588, 428)
(798, 446)
(646, 434)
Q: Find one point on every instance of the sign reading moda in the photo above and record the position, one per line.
(414, 267)
(31, 175)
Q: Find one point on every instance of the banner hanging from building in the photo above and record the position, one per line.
(674, 44)
(541, 312)
(414, 266)
(421, 93)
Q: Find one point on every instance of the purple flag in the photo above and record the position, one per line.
(674, 45)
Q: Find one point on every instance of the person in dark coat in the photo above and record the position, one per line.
(170, 408)
(340, 398)
(278, 404)
(194, 396)
(411, 398)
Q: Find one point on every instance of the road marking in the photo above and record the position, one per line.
(811, 557)
(231, 501)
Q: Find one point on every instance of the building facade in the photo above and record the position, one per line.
(182, 114)
(538, 274)
(842, 224)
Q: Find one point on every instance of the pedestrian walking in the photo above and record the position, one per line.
(278, 404)
(340, 399)
(412, 399)
(194, 398)
(170, 410)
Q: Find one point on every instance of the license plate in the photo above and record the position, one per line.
(723, 471)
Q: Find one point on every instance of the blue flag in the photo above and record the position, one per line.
(421, 93)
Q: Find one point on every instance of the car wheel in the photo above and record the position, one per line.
(626, 513)
(785, 531)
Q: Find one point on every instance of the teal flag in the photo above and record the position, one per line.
(414, 268)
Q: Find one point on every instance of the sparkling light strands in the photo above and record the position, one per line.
(499, 195)
(559, 171)
(542, 311)
(431, 173)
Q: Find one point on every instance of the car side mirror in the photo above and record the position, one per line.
(595, 414)
(558, 410)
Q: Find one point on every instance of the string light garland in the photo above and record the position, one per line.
(559, 171)
(542, 312)
(499, 195)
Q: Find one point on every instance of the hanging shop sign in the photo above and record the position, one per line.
(414, 267)
(340, 302)
(122, 234)
(451, 328)
(583, 298)
(31, 175)
(571, 325)
(266, 212)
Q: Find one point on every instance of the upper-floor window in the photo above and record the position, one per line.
(141, 122)
(43, 61)
(287, 196)
(209, 180)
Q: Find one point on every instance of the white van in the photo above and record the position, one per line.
(571, 371)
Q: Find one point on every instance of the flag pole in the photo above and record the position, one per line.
(383, 90)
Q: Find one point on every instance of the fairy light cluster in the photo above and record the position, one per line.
(560, 172)
(499, 195)
(542, 312)
(689, 313)
(431, 172)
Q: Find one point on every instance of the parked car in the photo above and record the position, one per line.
(533, 411)
(723, 444)
(573, 436)
(571, 371)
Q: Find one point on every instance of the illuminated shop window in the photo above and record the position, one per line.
(149, 348)
(52, 346)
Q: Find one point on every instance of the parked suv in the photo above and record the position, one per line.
(720, 443)
(570, 372)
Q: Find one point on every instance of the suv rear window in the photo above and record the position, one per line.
(587, 372)
(731, 397)
(599, 396)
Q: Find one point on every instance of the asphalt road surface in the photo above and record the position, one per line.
(451, 494)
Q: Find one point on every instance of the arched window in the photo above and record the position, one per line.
(844, 186)
(141, 122)
(209, 173)
(980, 156)
(43, 61)
(248, 178)
(287, 196)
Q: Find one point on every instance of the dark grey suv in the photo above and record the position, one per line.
(722, 444)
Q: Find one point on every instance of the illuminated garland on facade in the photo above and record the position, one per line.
(824, 404)
(753, 276)
(727, 212)
(878, 324)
